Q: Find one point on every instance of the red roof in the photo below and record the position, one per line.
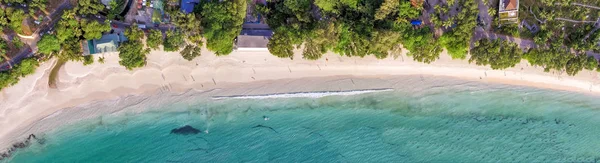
(510, 4)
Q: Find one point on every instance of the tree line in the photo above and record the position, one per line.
(219, 23)
(346, 27)
(363, 27)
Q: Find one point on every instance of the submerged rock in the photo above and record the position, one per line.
(185, 130)
(19, 145)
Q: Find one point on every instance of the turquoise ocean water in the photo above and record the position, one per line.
(443, 124)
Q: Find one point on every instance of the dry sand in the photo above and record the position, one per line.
(31, 99)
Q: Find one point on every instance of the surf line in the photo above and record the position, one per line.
(316, 94)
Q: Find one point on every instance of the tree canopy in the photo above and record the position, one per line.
(3, 19)
(3, 46)
(93, 29)
(15, 19)
(499, 54)
(190, 26)
(89, 7)
(560, 59)
(457, 39)
(12, 77)
(190, 52)
(39, 4)
(174, 41)
(13, 1)
(421, 45)
(222, 22)
(155, 38)
(48, 44)
(348, 27)
(68, 33)
(132, 52)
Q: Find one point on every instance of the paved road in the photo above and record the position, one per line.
(25, 53)
(523, 43)
(32, 42)
(584, 5)
(483, 14)
(123, 25)
(575, 21)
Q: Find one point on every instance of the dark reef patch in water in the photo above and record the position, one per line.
(20, 145)
(185, 130)
(267, 127)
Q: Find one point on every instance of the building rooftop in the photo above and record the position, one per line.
(187, 6)
(158, 5)
(253, 39)
(257, 32)
(247, 41)
(108, 43)
(508, 5)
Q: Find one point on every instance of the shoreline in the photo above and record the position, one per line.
(32, 100)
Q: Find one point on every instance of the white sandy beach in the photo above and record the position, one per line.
(31, 99)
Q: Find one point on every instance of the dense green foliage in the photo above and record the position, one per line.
(155, 38)
(190, 52)
(17, 42)
(132, 52)
(15, 19)
(560, 59)
(13, 1)
(38, 4)
(332, 5)
(101, 59)
(282, 43)
(3, 46)
(456, 41)
(88, 60)
(421, 45)
(350, 28)
(3, 19)
(93, 29)
(48, 44)
(190, 26)
(174, 41)
(556, 27)
(292, 23)
(114, 9)
(320, 40)
(499, 54)
(361, 27)
(222, 22)
(89, 7)
(582, 39)
(11, 77)
(68, 33)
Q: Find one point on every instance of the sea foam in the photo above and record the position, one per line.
(317, 94)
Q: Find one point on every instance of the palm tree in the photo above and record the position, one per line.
(40, 4)
(447, 23)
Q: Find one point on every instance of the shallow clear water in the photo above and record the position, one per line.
(450, 124)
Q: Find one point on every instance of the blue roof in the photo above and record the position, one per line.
(108, 43)
(187, 6)
(257, 32)
(416, 22)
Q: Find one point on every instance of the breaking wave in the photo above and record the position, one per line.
(317, 94)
